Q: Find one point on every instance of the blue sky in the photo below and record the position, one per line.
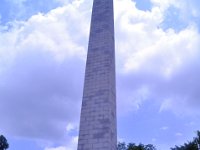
(43, 47)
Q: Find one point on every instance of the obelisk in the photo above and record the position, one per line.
(98, 129)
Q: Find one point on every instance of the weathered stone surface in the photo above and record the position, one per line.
(98, 114)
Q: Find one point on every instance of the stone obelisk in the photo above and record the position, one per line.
(98, 114)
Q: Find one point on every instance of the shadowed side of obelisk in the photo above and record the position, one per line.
(98, 113)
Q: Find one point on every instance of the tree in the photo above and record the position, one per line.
(149, 147)
(3, 143)
(191, 145)
(133, 146)
(121, 146)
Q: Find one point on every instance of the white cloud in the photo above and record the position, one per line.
(70, 127)
(42, 69)
(164, 4)
(189, 10)
(164, 128)
(157, 59)
(178, 134)
(57, 148)
(72, 145)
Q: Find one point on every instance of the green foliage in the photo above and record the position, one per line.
(3, 143)
(133, 146)
(121, 146)
(149, 147)
(191, 145)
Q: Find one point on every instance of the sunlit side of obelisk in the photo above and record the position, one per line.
(98, 129)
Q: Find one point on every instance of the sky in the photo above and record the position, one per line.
(43, 47)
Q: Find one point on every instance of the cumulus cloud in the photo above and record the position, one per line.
(25, 9)
(164, 62)
(164, 128)
(71, 145)
(42, 68)
(178, 134)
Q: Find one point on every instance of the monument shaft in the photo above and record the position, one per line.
(98, 114)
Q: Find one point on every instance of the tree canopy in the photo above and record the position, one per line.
(133, 146)
(3, 143)
(191, 145)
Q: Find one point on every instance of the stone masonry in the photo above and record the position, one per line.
(98, 114)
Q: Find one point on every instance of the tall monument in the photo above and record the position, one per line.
(98, 114)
